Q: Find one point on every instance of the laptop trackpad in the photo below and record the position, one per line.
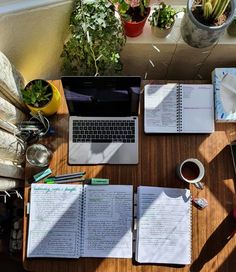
(99, 153)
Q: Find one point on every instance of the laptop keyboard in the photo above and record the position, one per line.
(104, 131)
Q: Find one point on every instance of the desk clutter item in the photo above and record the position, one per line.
(34, 128)
(41, 175)
(38, 155)
(224, 81)
(200, 202)
(178, 108)
(11, 224)
(72, 221)
(65, 178)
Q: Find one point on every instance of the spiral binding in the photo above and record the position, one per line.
(179, 108)
(82, 218)
(190, 232)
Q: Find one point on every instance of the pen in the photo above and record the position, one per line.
(92, 181)
(64, 177)
(52, 181)
(72, 175)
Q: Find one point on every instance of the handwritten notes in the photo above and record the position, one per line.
(54, 225)
(164, 225)
(108, 221)
(70, 221)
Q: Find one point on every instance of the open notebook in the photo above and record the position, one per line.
(72, 221)
(179, 108)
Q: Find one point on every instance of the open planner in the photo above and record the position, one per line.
(73, 221)
(179, 108)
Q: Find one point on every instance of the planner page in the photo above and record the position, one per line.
(160, 108)
(164, 225)
(107, 228)
(54, 222)
(197, 108)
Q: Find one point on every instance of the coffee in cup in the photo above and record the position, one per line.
(191, 171)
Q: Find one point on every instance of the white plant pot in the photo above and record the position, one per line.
(160, 32)
(199, 35)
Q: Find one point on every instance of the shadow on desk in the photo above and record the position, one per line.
(135, 263)
(60, 127)
(216, 243)
(224, 186)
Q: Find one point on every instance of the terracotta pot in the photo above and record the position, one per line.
(134, 29)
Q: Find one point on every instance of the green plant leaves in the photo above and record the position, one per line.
(37, 93)
(163, 17)
(96, 41)
(213, 9)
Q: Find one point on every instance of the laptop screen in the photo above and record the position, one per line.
(102, 96)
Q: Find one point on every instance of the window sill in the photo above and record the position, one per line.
(11, 6)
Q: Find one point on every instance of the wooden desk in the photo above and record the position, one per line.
(158, 157)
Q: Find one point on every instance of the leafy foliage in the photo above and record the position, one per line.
(163, 17)
(96, 40)
(214, 8)
(132, 10)
(37, 93)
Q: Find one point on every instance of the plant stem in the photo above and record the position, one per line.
(90, 42)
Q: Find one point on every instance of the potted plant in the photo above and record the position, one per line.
(96, 39)
(134, 14)
(205, 21)
(162, 20)
(40, 95)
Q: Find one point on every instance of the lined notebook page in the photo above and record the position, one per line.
(54, 223)
(164, 225)
(107, 228)
(197, 108)
(160, 108)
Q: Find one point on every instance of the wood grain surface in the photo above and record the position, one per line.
(159, 155)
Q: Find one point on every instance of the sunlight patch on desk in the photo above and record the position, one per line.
(94, 171)
(229, 183)
(213, 145)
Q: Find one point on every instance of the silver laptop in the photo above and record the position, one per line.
(103, 123)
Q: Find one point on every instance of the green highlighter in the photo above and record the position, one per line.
(98, 181)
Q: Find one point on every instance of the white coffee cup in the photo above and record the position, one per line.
(191, 171)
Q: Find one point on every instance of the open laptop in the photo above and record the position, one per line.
(103, 123)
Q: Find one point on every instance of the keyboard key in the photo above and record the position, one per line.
(101, 141)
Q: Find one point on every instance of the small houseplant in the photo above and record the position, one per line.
(96, 39)
(40, 95)
(162, 19)
(134, 14)
(206, 20)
